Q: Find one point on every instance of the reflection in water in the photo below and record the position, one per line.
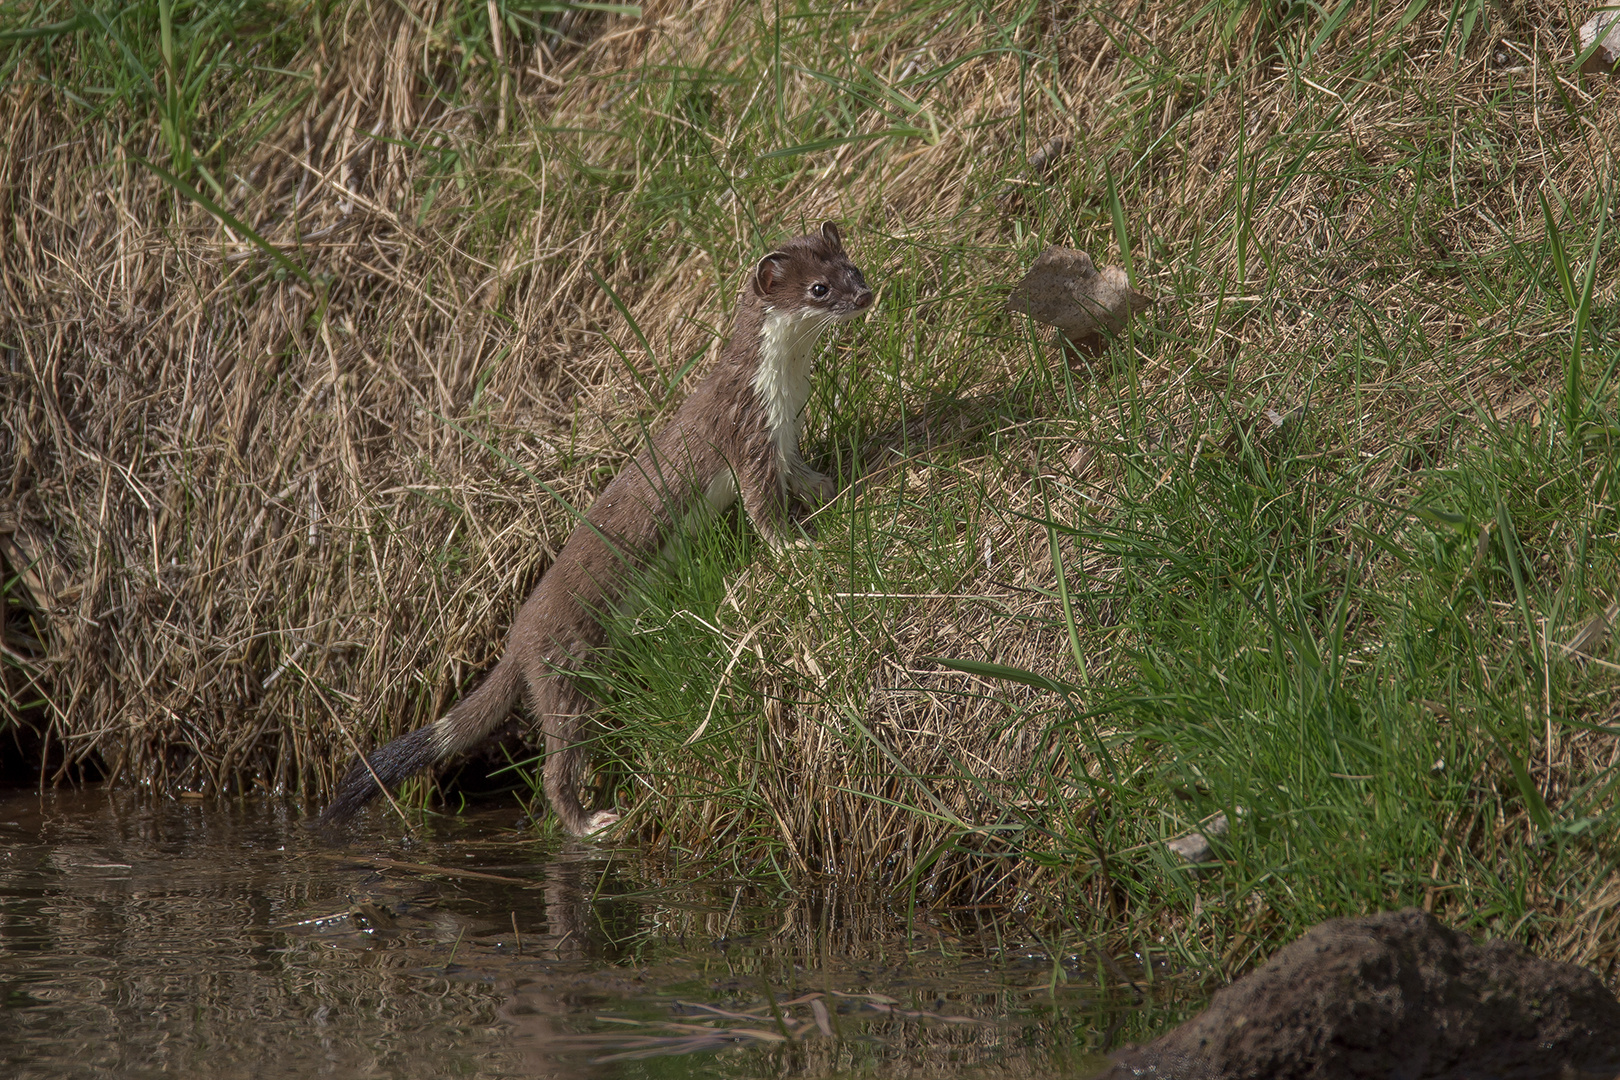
(142, 937)
(545, 1013)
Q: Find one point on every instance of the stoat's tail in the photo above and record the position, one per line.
(466, 725)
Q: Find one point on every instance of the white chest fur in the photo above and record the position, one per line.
(787, 345)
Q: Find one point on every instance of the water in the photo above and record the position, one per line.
(143, 938)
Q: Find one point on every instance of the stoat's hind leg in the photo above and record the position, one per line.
(563, 710)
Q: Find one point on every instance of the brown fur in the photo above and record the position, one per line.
(724, 427)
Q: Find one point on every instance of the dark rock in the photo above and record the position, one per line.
(1396, 996)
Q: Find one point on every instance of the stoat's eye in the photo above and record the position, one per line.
(818, 290)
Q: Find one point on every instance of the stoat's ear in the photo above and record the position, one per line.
(829, 233)
(768, 274)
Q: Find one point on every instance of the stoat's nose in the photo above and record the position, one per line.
(863, 299)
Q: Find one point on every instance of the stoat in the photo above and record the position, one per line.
(737, 436)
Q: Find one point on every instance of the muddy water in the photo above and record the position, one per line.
(141, 937)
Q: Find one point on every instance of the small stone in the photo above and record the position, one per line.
(1195, 847)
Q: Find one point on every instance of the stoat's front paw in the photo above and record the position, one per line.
(787, 542)
(815, 486)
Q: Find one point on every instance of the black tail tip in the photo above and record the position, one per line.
(355, 790)
(360, 784)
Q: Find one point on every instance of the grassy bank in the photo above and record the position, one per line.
(320, 319)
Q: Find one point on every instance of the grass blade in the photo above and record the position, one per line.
(986, 670)
(1555, 251)
(1117, 209)
(635, 328)
(230, 219)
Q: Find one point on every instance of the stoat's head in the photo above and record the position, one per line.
(810, 276)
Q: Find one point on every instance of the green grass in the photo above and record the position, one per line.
(1366, 689)
(209, 74)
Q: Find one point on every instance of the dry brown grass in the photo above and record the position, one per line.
(233, 507)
